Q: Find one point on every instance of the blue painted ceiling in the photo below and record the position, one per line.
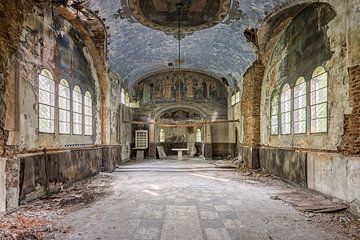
(136, 50)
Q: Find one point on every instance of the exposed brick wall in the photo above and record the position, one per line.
(11, 17)
(351, 138)
(250, 103)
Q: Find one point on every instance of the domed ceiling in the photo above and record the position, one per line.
(166, 15)
(143, 39)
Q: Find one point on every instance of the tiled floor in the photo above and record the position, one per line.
(190, 205)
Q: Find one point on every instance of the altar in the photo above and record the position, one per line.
(180, 152)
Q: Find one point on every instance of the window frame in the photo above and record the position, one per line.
(233, 99)
(67, 110)
(80, 113)
(274, 95)
(122, 96)
(49, 76)
(297, 85)
(320, 70)
(289, 101)
(162, 137)
(89, 96)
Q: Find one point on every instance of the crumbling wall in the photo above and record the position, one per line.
(315, 37)
(47, 172)
(250, 104)
(120, 121)
(63, 52)
(12, 14)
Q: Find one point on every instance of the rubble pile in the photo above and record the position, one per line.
(38, 219)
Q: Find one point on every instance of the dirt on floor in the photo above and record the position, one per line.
(38, 219)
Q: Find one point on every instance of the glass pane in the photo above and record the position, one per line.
(319, 96)
(88, 111)
(274, 106)
(237, 97)
(64, 115)
(300, 102)
(88, 121)
(46, 84)
(285, 128)
(64, 103)
(319, 125)
(300, 90)
(319, 82)
(87, 101)
(285, 118)
(319, 111)
(64, 91)
(300, 115)
(275, 129)
(77, 128)
(77, 118)
(64, 128)
(46, 126)
(46, 111)
(274, 120)
(285, 106)
(46, 98)
(300, 127)
(77, 107)
(88, 130)
(77, 97)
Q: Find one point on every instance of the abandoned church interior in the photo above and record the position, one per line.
(180, 119)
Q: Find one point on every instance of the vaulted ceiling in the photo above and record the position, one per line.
(143, 35)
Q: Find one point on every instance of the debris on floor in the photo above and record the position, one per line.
(38, 218)
(310, 202)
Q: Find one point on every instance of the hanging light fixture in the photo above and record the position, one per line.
(179, 8)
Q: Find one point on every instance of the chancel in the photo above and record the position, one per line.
(180, 119)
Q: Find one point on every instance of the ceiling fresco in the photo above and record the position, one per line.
(136, 50)
(166, 15)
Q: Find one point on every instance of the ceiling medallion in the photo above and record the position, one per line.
(163, 14)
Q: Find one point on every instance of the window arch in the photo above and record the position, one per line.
(285, 103)
(319, 100)
(162, 135)
(46, 102)
(275, 113)
(88, 112)
(198, 135)
(64, 107)
(77, 111)
(300, 106)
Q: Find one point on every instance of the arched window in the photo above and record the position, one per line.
(64, 107)
(162, 135)
(122, 96)
(300, 106)
(286, 109)
(127, 100)
(46, 103)
(88, 112)
(198, 135)
(318, 100)
(77, 111)
(275, 113)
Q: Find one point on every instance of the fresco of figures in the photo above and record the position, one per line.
(180, 86)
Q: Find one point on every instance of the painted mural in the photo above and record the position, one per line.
(180, 86)
(180, 115)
